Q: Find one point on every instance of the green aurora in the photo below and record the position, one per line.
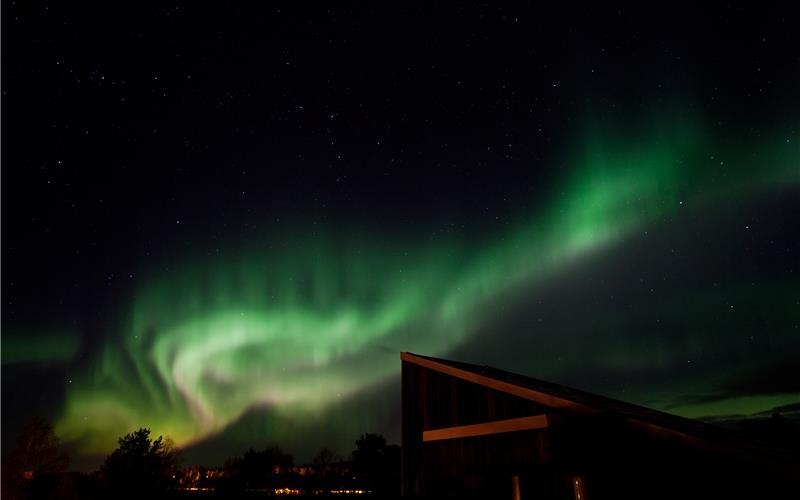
(293, 323)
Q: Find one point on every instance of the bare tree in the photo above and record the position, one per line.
(36, 453)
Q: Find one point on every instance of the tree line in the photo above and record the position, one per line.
(144, 467)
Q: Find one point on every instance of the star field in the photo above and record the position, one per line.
(225, 224)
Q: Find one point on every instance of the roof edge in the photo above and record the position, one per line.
(493, 383)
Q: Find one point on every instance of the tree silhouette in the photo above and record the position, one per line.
(257, 470)
(36, 454)
(324, 475)
(325, 457)
(140, 466)
(369, 449)
(378, 464)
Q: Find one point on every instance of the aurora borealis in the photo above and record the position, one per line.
(645, 252)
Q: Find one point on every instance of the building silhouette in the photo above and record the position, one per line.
(477, 432)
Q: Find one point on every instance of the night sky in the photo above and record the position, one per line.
(225, 224)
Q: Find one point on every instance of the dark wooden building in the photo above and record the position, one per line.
(477, 432)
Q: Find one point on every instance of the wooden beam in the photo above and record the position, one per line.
(487, 428)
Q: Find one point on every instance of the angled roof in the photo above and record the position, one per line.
(574, 400)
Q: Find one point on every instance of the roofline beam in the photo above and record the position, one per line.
(487, 428)
(499, 385)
